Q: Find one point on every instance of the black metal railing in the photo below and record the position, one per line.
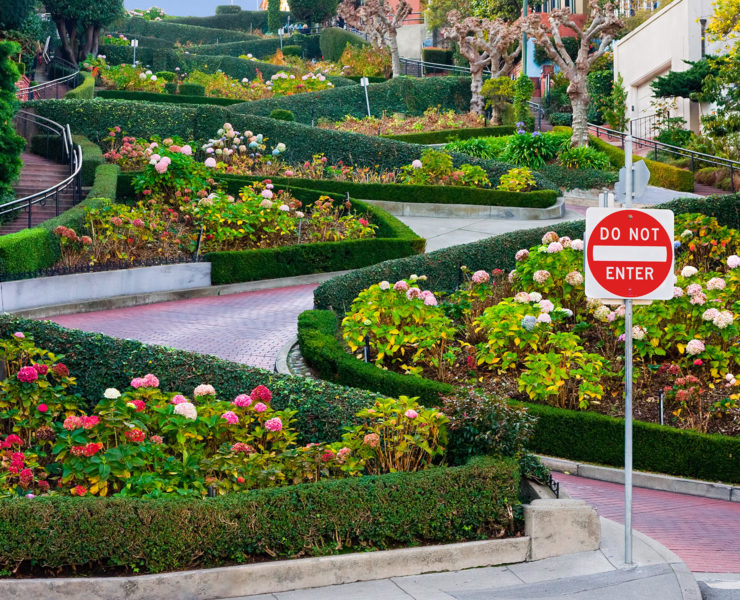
(420, 68)
(28, 125)
(69, 78)
(646, 127)
(696, 159)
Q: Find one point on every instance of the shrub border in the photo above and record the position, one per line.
(166, 98)
(448, 135)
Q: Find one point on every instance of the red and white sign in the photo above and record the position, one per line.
(629, 254)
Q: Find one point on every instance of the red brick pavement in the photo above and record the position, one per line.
(705, 533)
(248, 328)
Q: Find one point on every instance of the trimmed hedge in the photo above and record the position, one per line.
(583, 179)
(438, 505)
(560, 119)
(199, 123)
(173, 31)
(442, 266)
(38, 248)
(450, 135)
(86, 89)
(438, 56)
(440, 194)
(260, 48)
(245, 20)
(237, 68)
(192, 89)
(661, 174)
(408, 95)
(145, 41)
(333, 42)
(166, 98)
(124, 55)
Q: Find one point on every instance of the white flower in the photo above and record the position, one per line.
(689, 271)
(544, 318)
(245, 80)
(416, 164)
(677, 292)
(414, 277)
(694, 347)
(535, 296)
(574, 278)
(299, 214)
(710, 314)
(153, 78)
(602, 313)
(284, 207)
(384, 285)
(687, 233)
(142, 76)
(638, 332)
(733, 261)
(187, 410)
(554, 247)
(577, 245)
(210, 162)
(112, 393)
(716, 283)
(723, 319)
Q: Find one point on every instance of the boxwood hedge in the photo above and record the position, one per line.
(449, 135)
(262, 48)
(434, 506)
(86, 89)
(179, 32)
(334, 40)
(245, 20)
(165, 98)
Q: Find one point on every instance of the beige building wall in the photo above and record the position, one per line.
(660, 45)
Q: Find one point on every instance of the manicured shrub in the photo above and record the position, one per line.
(169, 98)
(118, 55)
(177, 32)
(168, 76)
(282, 114)
(438, 56)
(192, 89)
(170, 88)
(292, 50)
(273, 16)
(11, 143)
(582, 179)
(92, 158)
(26, 250)
(438, 505)
(333, 40)
(228, 9)
(560, 119)
(246, 20)
(449, 135)
(86, 89)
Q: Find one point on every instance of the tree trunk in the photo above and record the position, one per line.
(497, 111)
(87, 48)
(395, 57)
(476, 83)
(579, 100)
(66, 44)
(96, 42)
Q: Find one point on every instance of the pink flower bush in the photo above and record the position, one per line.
(429, 298)
(554, 247)
(230, 417)
(677, 292)
(544, 318)
(416, 164)
(481, 277)
(400, 286)
(210, 162)
(577, 245)
(342, 454)
(413, 293)
(695, 347)
(693, 289)
(274, 424)
(261, 393)
(574, 278)
(156, 439)
(522, 255)
(260, 407)
(723, 319)
(698, 299)
(204, 389)
(27, 375)
(179, 399)
(546, 306)
(411, 413)
(710, 314)
(242, 400)
(541, 276)
(733, 261)
(716, 283)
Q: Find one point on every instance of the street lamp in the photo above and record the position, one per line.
(364, 82)
(281, 31)
(525, 13)
(134, 45)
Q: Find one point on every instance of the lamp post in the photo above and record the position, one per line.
(281, 31)
(525, 13)
(134, 45)
(364, 82)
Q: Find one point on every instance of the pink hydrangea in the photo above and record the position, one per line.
(19, 335)
(550, 237)
(695, 347)
(541, 276)
(186, 150)
(139, 405)
(151, 381)
(242, 400)
(89, 422)
(342, 454)
(137, 382)
(693, 289)
(698, 299)
(577, 245)
(416, 164)
(400, 286)
(161, 167)
(716, 283)
(204, 389)
(274, 424)
(733, 261)
(179, 399)
(723, 319)
(710, 314)
(574, 278)
(230, 417)
(267, 194)
(512, 276)
(27, 375)
(565, 241)
(187, 410)
(413, 293)
(522, 255)
(72, 423)
(210, 162)
(481, 276)
(429, 298)
(242, 447)
(411, 413)
(546, 306)
(260, 407)
(677, 292)
(554, 247)
(261, 393)
(638, 332)
(156, 439)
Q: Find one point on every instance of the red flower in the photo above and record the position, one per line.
(240, 479)
(27, 375)
(78, 491)
(26, 478)
(41, 369)
(698, 362)
(135, 435)
(139, 404)
(327, 456)
(43, 486)
(92, 449)
(60, 370)
(77, 450)
(12, 439)
(261, 394)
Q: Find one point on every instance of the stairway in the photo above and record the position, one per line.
(38, 174)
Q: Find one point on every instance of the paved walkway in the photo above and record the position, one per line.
(705, 533)
(248, 328)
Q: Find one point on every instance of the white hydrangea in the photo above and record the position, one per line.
(112, 393)
(689, 271)
(187, 410)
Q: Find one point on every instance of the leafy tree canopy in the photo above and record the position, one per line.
(14, 13)
(313, 11)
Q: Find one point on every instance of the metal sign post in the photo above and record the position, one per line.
(629, 194)
(134, 45)
(364, 82)
(281, 31)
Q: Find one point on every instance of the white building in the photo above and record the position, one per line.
(661, 44)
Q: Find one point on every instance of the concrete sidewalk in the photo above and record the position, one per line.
(658, 574)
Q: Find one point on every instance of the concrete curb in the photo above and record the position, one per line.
(168, 296)
(445, 211)
(273, 577)
(652, 481)
(281, 361)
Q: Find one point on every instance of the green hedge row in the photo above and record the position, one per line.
(450, 135)
(200, 123)
(661, 174)
(165, 98)
(145, 41)
(439, 194)
(438, 505)
(333, 41)
(245, 20)
(86, 89)
(262, 48)
(582, 179)
(408, 95)
(559, 432)
(177, 32)
(37, 248)
(124, 55)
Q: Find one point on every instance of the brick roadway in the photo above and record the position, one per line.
(248, 328)
(705, 533)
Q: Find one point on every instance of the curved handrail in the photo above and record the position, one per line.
(32, 92)
(72, 152)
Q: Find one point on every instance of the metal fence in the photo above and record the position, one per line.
(28, 125)
(63, 75)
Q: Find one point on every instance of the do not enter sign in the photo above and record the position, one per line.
(629, 254)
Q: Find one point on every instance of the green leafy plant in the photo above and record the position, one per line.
(584, 157)
(517, 180)
(523, 90)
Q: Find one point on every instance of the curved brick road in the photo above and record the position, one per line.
(248, 328)
(705, 533)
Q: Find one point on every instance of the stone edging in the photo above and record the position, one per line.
(168, 296)
(281, 362)
(652, 481)
(424, 209)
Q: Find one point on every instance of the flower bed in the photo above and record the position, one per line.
(433, 119)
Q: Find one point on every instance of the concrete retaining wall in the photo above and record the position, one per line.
(474, 211)
(83, 287)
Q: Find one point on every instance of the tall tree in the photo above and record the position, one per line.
(485, 43)
(313, 11)
(11, 143)
(79, 23)
(435, 11)
(600, 29)
(725, 21)
(380, 21)
(273, 16)
(15, 12)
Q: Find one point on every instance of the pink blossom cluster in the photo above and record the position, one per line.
(541, 276)
(480, 277)
(574, 278)
(522, 297)
(230, 417)
(549, 238)
(242, 447)
(733, 261)
(179, 399)
(139, 405)
(242, 401)
(342, 454)
(411, 413)
(716, 283)
(260, 407)
(11, 440)
(187, 410)
(695, 347)
(80, 422)
(522, 255)
(148, 381)
(274, 424)
(204, 389)
(27, 375)
(400, 286)
(261, 393)
(554, 247)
